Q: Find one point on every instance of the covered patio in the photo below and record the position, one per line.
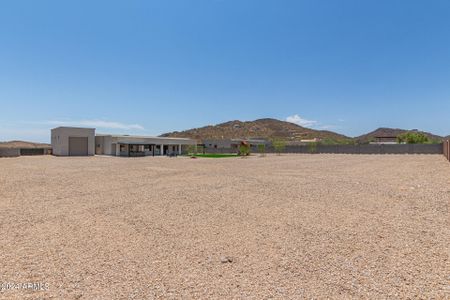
(140, 149)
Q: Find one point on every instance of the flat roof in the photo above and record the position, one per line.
(134, 143)
(71, 127)
(143, 137)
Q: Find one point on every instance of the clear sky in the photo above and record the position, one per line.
(148, 67)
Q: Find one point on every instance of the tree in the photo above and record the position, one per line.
(244, 149)
(262, 149)
(279, 146)
(312, 147)
(192, 150)
(412, 138)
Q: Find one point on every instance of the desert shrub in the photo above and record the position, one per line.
(331, 141)
(434, 141)
(328, 141)
(412, 138)
(244, 149)
(279, 146)
(312, 147)
(192, 149)
(201, 149)
(262, 149)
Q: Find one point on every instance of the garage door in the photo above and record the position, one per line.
(78, 146)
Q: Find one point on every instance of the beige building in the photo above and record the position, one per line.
(126, 145)
(71, 141)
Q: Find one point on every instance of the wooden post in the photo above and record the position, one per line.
(448, 150)
(445, 145)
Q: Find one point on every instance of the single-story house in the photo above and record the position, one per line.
(384, 139)
(73, 141)
(126, 145)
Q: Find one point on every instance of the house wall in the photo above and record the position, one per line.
(108, 141)
(60, 139)
(99, 145)
(217, 144)
(110, 144)
(108, 149)
(104, 145)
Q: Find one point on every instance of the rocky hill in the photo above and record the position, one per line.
(263, 128)
(393, 132)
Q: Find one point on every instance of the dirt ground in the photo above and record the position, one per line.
(281, 227)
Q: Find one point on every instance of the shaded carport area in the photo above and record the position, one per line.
(136, 149)
(137, 146)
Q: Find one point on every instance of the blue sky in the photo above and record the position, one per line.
(149, 67)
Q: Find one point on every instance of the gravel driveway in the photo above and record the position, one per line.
(282, 227)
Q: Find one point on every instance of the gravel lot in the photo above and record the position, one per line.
(291, 226)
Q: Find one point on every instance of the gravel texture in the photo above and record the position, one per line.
(281, 227)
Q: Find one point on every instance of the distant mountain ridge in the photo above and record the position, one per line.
(263, 128)
(393, 132)
(270, 129)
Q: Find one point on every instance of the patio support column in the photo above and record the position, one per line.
(179, 149)
(162, 150)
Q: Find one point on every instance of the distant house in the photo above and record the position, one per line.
(232, 143)
(217, 144)
(307, 141)
(384, 139)
(303, 142)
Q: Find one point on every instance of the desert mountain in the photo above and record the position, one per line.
(392, 132)
(263, 128)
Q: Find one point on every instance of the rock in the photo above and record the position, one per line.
(226, 259)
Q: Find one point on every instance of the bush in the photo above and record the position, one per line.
(412, 138)
(192, 150)
(312, 147)
(244, 149)
(279, 146)
(262, 149)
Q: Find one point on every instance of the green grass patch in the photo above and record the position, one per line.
(215, 155)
